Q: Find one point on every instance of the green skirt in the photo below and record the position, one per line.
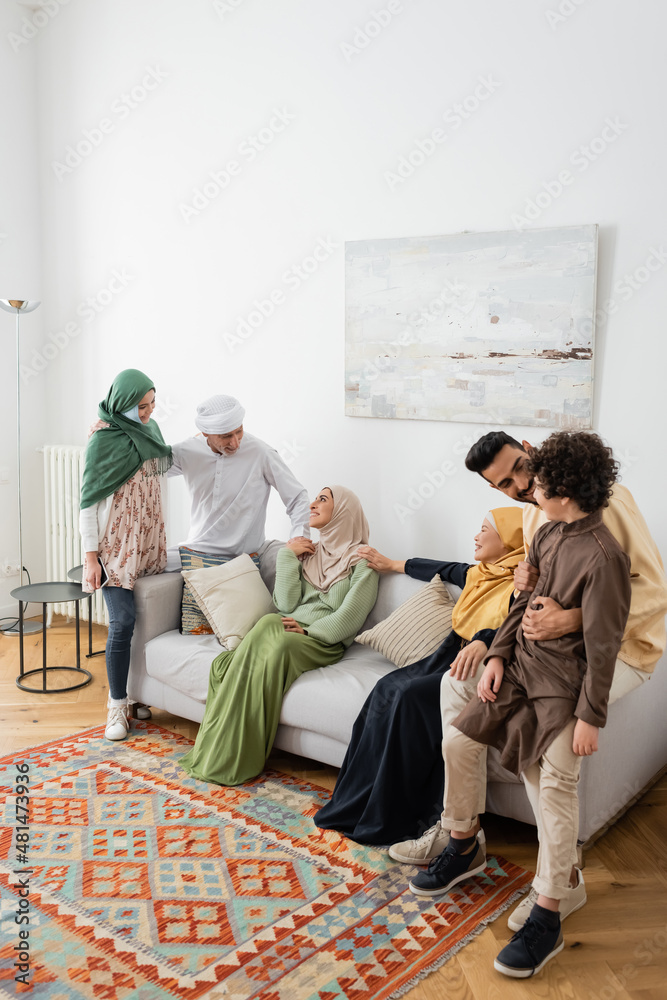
(245, 694)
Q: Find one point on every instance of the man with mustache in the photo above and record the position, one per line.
(501, 460)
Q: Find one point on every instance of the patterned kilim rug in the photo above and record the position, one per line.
(139, 882)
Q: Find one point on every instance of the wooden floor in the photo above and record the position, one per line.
(615, 947)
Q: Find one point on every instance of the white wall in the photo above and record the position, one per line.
(219, 71)
(20, 278)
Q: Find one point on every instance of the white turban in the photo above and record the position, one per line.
(219, 415)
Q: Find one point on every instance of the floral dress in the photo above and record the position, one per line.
(134, 542)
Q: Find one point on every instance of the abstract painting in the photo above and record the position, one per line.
(478, 327)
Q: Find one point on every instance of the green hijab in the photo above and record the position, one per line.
(116, 452)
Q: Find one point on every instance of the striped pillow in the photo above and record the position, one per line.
(415, 629)
(193, 619)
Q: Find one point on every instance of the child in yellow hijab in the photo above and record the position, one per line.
(392, 776)
(484, 601)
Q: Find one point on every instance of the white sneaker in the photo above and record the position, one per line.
(574, 901)
(425, 848)
(118, 725)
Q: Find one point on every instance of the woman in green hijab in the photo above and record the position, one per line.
(121, 521)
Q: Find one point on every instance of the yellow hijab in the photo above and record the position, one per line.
(484, 601)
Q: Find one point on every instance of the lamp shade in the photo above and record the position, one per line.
(19, 305)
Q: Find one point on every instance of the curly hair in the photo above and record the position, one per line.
(575, 464)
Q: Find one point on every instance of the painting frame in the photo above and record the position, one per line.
(474, 327)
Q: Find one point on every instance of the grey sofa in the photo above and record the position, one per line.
(170, 671)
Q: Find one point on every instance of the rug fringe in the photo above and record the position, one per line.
(482, 925)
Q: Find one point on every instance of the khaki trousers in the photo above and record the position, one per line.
(455, 695)
(557, 775)
(626, 678)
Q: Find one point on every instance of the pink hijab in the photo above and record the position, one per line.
(336, 552)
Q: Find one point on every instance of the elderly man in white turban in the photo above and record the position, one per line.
(229, 475)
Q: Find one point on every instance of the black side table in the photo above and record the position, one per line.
(76, 574)
(49, 593)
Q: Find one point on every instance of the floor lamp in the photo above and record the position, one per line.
(19, 306)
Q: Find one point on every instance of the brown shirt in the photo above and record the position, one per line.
(547, 682)
(644, 638)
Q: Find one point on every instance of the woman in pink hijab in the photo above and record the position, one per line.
(323, 594)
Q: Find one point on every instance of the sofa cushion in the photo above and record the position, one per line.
(416, 628)
(232, 596)
(193, 619)
(182, 662)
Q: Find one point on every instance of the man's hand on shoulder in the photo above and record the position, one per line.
(301, 546)
(98, 425)
(526, 576)
(545, 619)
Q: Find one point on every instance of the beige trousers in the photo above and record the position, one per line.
(557, 776)
(455, 695)
(626, 679)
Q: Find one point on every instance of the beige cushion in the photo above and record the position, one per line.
(232, 596)
(416, 628)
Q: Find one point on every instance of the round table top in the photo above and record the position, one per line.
(75, 574)
(47, 593)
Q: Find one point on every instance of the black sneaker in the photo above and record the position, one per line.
(530, 949)
(447, 870)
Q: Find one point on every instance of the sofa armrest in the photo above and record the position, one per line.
(157, 600)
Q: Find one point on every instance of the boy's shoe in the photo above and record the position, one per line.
(117, 722)
(574, 901)
(447, 870)
(425, 848)
(530, 949)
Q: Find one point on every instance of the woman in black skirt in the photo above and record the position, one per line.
(392, 777)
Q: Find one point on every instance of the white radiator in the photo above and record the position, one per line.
(63, 469)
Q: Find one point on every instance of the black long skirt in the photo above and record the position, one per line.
(391, 782)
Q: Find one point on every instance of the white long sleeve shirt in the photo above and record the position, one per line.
(229, 494)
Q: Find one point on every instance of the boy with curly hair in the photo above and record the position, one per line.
(542, 703)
